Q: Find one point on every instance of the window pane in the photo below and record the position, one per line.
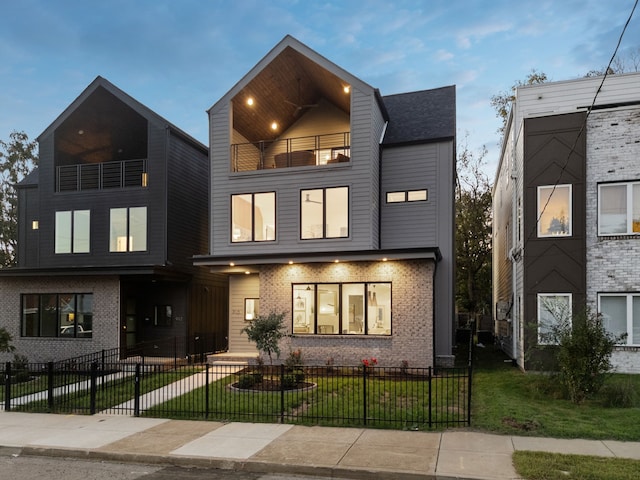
(417, 195)
(635, 227)
(337, 212)
(84, 315)
(303, 308)
(353, 308)
(328, 309)
(265, 216)
(553, 311)
(241, 218)
(554, 211)
(395, 197)
(138, 229)
(30, 315)
(379, 309)
(48, 315)
(67, 312)
(613, 209)
(614, 313)
(311, 210)
(635, 324)
(81, 227)
(63, 232)
(118, 230)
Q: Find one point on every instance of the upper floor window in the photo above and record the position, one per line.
(324, 213)
(407, 196)
(554, 312)
(342, 308)
(72, 231)
(57, 315)
(554, 211)
(619, 209)
(128, 229)
(253, 217)
(621, 315)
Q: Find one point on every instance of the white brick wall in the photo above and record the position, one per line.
(412, 311)
(106, 314)
(613, 264)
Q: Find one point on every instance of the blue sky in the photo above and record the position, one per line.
(178, 57)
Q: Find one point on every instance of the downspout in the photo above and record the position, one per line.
(515, 309)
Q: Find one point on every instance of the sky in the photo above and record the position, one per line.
(178, 57)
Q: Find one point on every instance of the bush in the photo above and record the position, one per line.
(583, 354)
(248, 380)
(20, 367)
(5, 341)
(266, 332)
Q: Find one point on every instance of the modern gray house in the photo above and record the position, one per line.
(334, 205)
(108, 224)
(566, 215)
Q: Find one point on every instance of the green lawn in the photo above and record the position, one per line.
(553, 466)
(507, 401)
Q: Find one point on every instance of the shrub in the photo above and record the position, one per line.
(5, 341)
(266, 332)
(583, 354)
(248, 380)
(618, 395)
(20, 366)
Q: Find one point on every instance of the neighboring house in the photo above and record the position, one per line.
(108, 224)
(335, 206)
(566, 215)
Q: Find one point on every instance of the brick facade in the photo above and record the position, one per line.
(106, 314)
(613, 263)
(412, 311)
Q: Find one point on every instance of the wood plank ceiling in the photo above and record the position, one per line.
(282, 92)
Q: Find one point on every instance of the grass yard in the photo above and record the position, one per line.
(508, 401)
(552, 466)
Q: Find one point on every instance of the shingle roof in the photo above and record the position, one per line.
(30, 179)
(423, 116)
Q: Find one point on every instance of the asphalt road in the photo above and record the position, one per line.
(32, 468)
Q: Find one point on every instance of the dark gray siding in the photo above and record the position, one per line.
(553, 154)
(187, 202)
(27, 237)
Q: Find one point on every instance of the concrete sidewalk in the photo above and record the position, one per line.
(324, 451)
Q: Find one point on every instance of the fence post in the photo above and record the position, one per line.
(94, 387)
(364, 394)
(206, 391)
(282, 393)
(50, 383)
(469, 386)
(430, 397)
(136, 392)
(175, 353)
(7, 387)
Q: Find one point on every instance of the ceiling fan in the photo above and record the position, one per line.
(308, 200)
(300, 106)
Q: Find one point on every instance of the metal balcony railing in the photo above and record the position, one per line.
(291, 152)
(99, 176)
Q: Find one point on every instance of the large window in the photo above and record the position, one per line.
(342, 308)
(554, 311)
(554, 211)
(72, 231)
(324, 213)
(619, 209)
(128, 229)
(253, 217)
(57, 315)
(621, 315)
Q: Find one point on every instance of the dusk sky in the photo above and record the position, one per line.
(178, 57)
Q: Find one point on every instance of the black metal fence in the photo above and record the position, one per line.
(408, 398)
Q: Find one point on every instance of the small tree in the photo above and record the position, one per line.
(5, 341)
(266, 332)
(583, 354)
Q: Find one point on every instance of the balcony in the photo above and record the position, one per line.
(309, 151)
(99, 176)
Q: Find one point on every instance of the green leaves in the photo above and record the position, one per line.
(266, 332)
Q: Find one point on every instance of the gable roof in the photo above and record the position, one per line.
(420, 117)
(144, 111)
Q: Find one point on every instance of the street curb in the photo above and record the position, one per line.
(251, 466)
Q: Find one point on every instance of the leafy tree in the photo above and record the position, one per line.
(18, 157)
(5, 341)
(583, 352)
(266, 332)
(473, 233)
(503, 100)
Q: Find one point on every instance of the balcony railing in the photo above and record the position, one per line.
(98, 176)
(291, 152)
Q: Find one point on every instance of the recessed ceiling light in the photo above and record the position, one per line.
(232, 264)
(250, 101)
(274, 126)
(346, 89)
